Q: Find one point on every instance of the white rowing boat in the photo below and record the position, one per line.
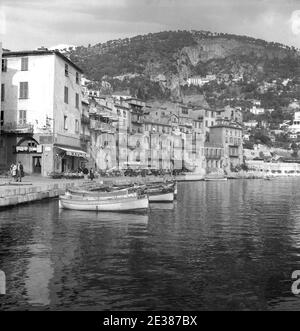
(216, 179)
(102, 195)
(129, 203)
(162, 197)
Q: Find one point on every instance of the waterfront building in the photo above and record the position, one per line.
(230, 135)
(42, 111)
(85, 132)
(214, 154)
(136, 132)
(123, 125)
(2, 95)
(103, 136)
(160, 143)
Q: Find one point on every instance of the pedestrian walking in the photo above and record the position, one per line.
(20, 171)
(92, 174)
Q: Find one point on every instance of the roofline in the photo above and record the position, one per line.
(226, 126)
(41, 52)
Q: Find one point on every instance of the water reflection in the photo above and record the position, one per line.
(222, 245)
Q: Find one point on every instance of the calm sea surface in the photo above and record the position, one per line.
(223, 246)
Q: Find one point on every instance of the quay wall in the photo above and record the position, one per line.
(15, 195)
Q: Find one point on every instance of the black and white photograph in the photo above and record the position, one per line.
(150, 158)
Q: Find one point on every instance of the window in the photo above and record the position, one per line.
(24, 64)
(76, 126)
(66, 70)
(2, 92)
(77, 78)
(66, 97)
(22, 117)
(77, 100)
(23, 90)
(65, 122)
(4, 65)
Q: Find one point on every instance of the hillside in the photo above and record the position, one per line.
(157, 66)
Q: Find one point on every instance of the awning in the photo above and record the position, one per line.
(74, 152)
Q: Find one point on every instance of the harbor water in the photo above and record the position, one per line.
(222, 246)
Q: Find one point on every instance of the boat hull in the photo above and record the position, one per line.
(164, 197)
(190, 178)
(120, 205)
(215, 179)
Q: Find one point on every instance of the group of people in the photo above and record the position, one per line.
(17, 171)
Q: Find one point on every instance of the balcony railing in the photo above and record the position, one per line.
(18, 128)
(137, 120)
(102, 127)
(84, 137)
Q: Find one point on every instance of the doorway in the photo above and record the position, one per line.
(36, 163)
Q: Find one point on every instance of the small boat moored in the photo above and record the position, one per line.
(162, 193)
(132, 202)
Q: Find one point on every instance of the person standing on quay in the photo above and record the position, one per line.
(92, 174)
(13, 171)
(20, 172)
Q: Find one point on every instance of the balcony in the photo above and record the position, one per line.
(85, 119)
(18, 128)
(102, 127)
(137, 120)
(85, 138)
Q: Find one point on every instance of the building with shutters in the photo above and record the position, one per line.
(41, 111)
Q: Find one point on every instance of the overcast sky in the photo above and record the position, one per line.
(28, 24)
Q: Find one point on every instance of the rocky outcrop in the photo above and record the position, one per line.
(168, 59)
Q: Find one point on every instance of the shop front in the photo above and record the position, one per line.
(69, 160)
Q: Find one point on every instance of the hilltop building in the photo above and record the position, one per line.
(295, 127)
(200, 81)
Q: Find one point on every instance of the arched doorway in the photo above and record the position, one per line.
(29, 153)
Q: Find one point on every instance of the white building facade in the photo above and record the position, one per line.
(2, 148)
(295, 127)
(42, 111)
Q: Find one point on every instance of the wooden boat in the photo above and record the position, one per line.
(190, 177)
(267, 178)
(113, 204)
(102, 195)
(215, 177)
(161, 193)
(161, 197)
